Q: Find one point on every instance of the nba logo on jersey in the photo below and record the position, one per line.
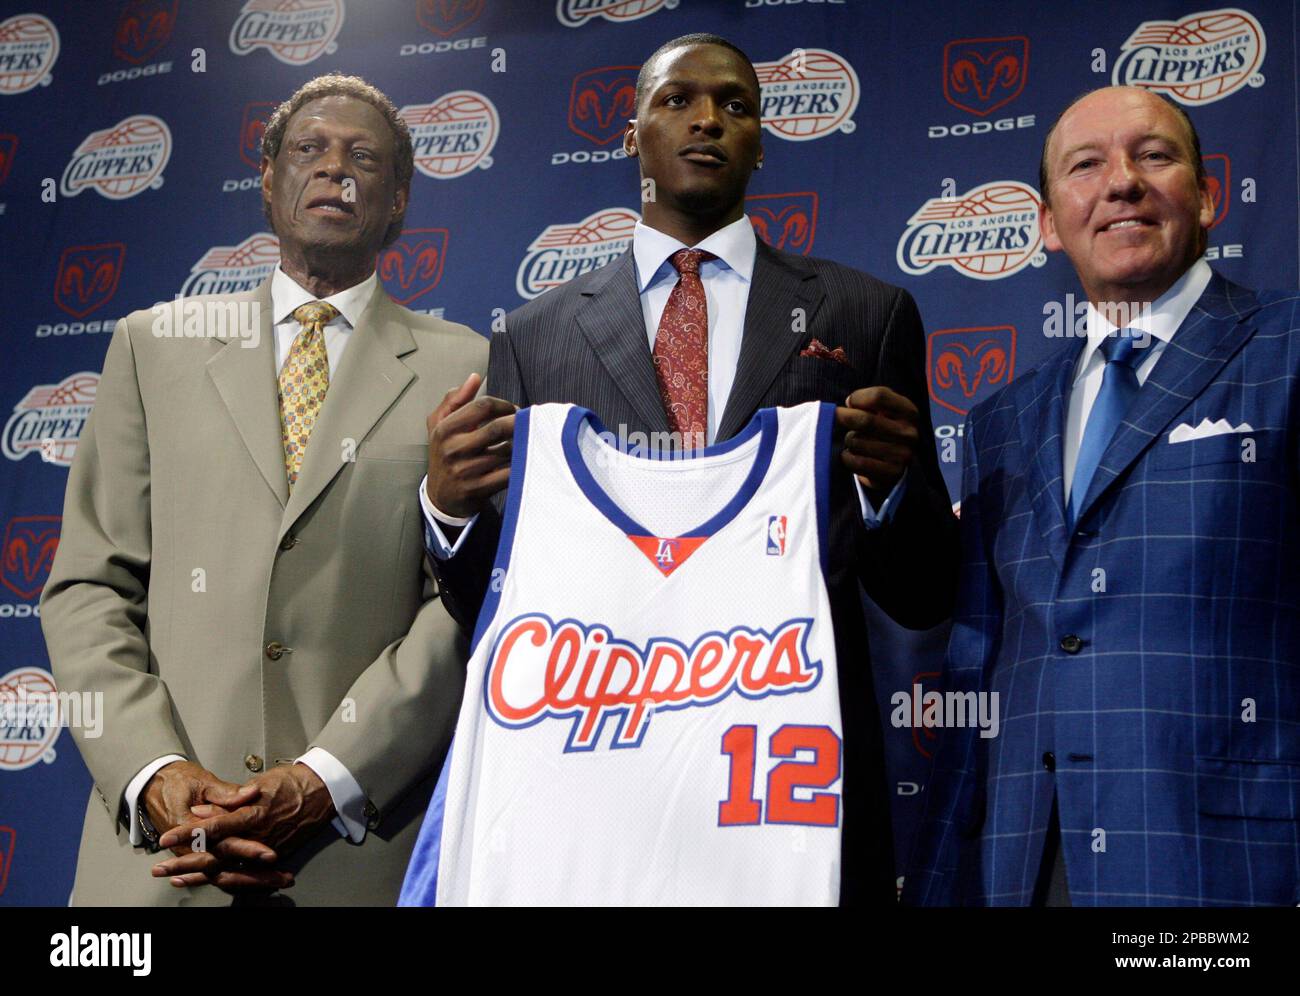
(776, 535)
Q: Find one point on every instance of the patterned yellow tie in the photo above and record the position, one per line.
(304, 379)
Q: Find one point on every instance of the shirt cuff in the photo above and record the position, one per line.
(435, 540)
(349, 801)
(132, 795)
(874, 518)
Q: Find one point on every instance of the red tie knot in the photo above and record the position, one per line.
(689, 260)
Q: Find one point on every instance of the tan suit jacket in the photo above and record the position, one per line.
(184, 558)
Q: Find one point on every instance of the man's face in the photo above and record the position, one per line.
(697, 129)
(1126, 205)
(332, 187)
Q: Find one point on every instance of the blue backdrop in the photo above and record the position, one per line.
(902, 139)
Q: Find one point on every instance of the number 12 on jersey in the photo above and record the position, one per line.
(821, 809)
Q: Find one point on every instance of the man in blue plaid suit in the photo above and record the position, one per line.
(1131, 565)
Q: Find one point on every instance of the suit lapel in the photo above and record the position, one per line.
(1213, 331)
(245, 379)
(370, 378)
(611, 319)
(780, 284)
(1041, 424)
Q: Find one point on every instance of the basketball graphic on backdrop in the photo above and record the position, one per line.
(29, 718)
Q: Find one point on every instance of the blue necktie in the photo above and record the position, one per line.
(1119, 384)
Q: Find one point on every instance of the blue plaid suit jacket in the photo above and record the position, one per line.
(1173, 720)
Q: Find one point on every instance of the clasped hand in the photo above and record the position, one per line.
(232, 836)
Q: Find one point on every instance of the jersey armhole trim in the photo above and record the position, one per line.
(509, 522)
(822, 477)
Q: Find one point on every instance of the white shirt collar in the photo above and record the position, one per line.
(287, 294)
(735, 245)
(1160, 321)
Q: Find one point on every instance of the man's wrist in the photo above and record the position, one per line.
(147, 830)
(313, 786)
(133, 797)
(440, 545)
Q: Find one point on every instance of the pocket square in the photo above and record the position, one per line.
(818, 349)
(1184, 433)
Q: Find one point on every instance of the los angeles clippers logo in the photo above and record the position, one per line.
(412, 266)
(121, 161)
(454, 135)
(446, 17)
(1199, 59)
(784, 221)
(1218, 177)
(808, 94)
(601, 101)
(143, 27)
(8, 146)
(982, 74)
(29, 718)
(30, 542)
(576, 13)
(29, 47)
(251, 130)
(989, 233)
(49, 419)
(88, 277)
(540, 670)
(965, 366)
(234, 269)
(294, 31)
(565, 251)
(667, 553)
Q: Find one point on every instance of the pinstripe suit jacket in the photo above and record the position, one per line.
(585, 342)
(1173, 721)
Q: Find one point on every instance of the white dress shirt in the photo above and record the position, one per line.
(1160, 322)
(726, 281)
(286, 295)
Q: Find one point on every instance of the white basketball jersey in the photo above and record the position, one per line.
(651, 711)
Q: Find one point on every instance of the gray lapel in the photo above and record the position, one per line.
(611, 319)
(245, 379)
(780, 284)
(370, 378)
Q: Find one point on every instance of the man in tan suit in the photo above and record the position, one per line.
(241, 572)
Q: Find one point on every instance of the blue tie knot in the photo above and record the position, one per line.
(1120, 346)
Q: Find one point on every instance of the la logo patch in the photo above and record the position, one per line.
(667, 552)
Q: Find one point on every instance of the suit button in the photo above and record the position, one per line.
(274, 650)
(253, 763)
(1049, 761)
(1071, 644)
(289, 542)
(371, 814)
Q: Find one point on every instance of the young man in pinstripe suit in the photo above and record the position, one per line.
(597, 341)
(1131, 565)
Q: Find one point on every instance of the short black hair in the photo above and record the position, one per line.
(686, 41)
(1197, 162)
(337, 85)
